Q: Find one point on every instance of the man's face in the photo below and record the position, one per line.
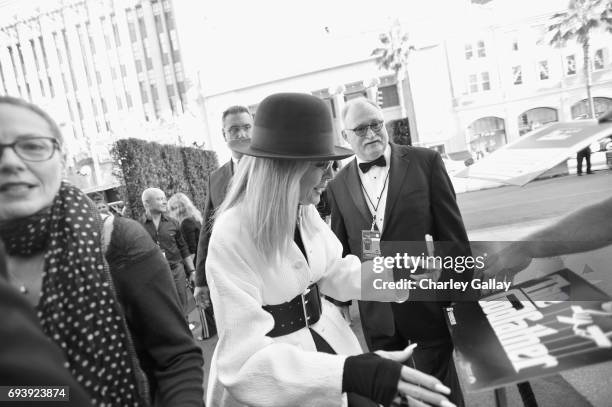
(373, 143)
(237, 126)
(156, 202)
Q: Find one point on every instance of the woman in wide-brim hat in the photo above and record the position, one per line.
(270, 258)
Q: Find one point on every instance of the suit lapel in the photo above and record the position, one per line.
(397, 180)
(354, 187)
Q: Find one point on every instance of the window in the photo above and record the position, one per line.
(170, 90)
(44, 53)
(169, 20)
(570, 65)
(389, 96)
(113, 72)
(485, 83)
(51, 90)
(158, 23)
(115, 30)
(98, 77)
(141, 26)
(598, 59)
(473, 83)
(123, 70)
(128, 100)
(469, 54)
(138, 65)
(515, 45)
(119, 104)
(104, 106)
(143, 92)
(517, 75)
(154, 94)
(543, 70)
(481, 49)
(181, 87)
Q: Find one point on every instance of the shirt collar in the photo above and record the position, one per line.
(386, 153)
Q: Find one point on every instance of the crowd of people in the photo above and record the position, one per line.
(100, 303)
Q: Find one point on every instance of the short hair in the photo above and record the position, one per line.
(237, 109)
(55, 131)
(147, 192)
(352, 102)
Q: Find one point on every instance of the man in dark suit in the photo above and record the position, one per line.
(237, 124)
(403, 193)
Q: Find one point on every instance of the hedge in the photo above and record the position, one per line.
(142, 164)
(400, 131)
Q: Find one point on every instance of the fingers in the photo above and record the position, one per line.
(421, 396)
(397, 356)
(412, 402)
(416, 377)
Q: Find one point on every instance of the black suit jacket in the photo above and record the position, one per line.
(420, 200)
(218, 182)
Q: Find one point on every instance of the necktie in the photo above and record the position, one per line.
(380, 161)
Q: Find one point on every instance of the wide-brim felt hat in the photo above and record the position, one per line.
(294, 126)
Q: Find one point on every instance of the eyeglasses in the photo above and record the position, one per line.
(33, 149)
(235, 130)
(362, 131)
(324, 165)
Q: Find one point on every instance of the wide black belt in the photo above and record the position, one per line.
(291, 316)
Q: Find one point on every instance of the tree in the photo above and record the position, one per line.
(393, 56)
(577, 23)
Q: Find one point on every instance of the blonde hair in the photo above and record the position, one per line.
(268, 191)
(186, 210)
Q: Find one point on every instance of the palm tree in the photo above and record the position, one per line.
(577, 23)
(393, 56)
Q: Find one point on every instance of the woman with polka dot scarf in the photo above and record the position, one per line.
(53, 235)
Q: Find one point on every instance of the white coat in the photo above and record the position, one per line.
(252, 369)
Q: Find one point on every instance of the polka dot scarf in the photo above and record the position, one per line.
(78, 308)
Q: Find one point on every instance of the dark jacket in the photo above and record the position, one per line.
(190, 229)
(164, 345)
(27, 356)
(420, 201)
(217, 188)
(168, 237)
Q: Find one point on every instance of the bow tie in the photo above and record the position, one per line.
(380, 161)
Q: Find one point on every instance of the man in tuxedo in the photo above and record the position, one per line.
(237, 124)
(403, 193)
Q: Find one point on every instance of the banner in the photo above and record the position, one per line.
(511, 337)
(536, 152)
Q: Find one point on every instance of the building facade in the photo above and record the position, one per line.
(103, 69)
(509, 80)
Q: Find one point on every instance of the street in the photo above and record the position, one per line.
(508, 213)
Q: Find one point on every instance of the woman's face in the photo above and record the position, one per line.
(177, 208)
(314, 181)
(25, 186)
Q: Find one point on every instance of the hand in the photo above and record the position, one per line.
(506, 263)
(192, 278)
(202, 296)
(418, 388)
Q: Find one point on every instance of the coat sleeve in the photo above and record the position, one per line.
(191, 233)
(337, 222)
(254, 368)
(209, 210)
(347, 278)
(156, 321)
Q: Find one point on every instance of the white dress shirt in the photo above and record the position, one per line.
(376, 183)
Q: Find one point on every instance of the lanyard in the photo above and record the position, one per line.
(379, 197)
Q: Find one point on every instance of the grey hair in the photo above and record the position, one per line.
(55, 131)
(355, 101)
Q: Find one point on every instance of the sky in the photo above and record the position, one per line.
(238, 43)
